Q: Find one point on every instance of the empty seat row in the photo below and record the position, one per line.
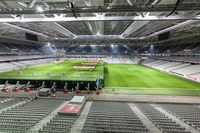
(59, 124)
(25, 116)
(112, 117)
(190, 114)
(162, 122)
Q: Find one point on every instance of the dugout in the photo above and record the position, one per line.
(71, 84)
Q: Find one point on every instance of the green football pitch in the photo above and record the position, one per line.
(51, 71)
(138, 79)
(118, 78)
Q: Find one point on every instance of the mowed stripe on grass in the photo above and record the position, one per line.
(137, 76)
(54, 72)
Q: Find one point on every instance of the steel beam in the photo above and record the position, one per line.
(54, 26)
(106, 18)
(105, 9)
(96, 27)
(7, 6)
(26, 30)
(171, 28)
(91, 25)
(137, 25)
(32, 3)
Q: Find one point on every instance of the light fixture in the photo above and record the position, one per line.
(98, 34)
(59, 15)
(39, 9)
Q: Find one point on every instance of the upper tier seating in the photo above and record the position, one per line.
(153, 63)
(195, 76)
(3, 49)
(182, 69)
(6, 47)
(12, 58)
(179, 59)
(168, 65)
(182, 65)
(160, 64)
(187, 70)
(121, 60)
(20, 64)
(7, 66)
(196, 50)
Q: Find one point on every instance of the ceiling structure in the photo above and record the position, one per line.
(101, 21)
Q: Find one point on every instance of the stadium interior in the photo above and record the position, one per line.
(99, 66)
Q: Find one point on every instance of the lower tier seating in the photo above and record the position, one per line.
(113, 118)
(20, 119)
(59, 124)
(165, 124)
(188, 113)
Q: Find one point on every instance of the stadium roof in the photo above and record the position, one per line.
(111, 21)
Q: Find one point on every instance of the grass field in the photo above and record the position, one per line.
(62, 71)
(137, 79)
(119, 78)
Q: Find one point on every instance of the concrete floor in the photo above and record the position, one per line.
(146, 98)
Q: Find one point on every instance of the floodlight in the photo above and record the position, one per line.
(98, 34)
(39, 9)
